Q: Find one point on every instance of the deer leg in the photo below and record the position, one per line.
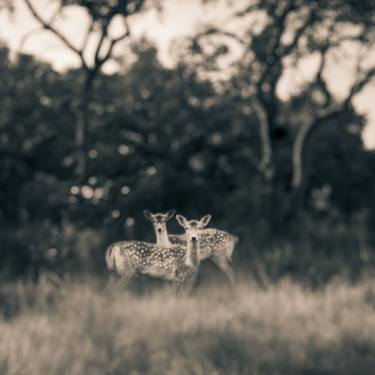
(183, 287)
(113, 280)
(177, 287)
(186, 277)
(224, 265)
(127, 278)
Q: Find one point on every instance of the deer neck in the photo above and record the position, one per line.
(192, 253)
(162, 237)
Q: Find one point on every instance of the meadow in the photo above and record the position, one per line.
(84, 328)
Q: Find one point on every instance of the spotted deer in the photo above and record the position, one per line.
(177, 263)
(215, 244)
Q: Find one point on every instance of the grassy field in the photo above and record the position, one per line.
(284, 329)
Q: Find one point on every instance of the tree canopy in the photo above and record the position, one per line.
(269, 168)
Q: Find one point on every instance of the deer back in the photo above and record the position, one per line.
(213, 242)
(129, 257)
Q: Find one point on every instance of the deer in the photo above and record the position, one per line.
(214, 243)
(176, 263)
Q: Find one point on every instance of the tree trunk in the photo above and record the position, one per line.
(82, 125)
(303, 136)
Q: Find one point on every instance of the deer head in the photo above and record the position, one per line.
(159, 222)
(193, 230)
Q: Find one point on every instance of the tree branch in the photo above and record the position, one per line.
(310, 19)
(32, 32)
(360, 84)
(319, 76)
(246, 11)
(47, 26)
(114, 42)
(217, 31)
(87, 35)
(272, 69)
(103, 36)
(26, 37)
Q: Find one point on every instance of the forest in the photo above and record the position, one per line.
(83, 152)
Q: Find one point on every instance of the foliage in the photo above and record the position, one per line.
(162, 138)
(284, 175)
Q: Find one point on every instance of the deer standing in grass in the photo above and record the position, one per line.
(176, 263)
(215, 244)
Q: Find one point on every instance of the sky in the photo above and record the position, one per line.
(179, 19)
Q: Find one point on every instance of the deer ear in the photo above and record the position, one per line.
(181, 220)
(170, 214)
(147, 214)
(205, 220)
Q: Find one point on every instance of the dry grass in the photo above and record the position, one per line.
(285, 329)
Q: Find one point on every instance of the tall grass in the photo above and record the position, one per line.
(84, 328)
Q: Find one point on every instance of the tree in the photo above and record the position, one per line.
(291, 31)
(102, 15)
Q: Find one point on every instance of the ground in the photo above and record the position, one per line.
(84, 328)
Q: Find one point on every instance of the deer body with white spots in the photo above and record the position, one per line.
(176, 263)
(215, 244)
